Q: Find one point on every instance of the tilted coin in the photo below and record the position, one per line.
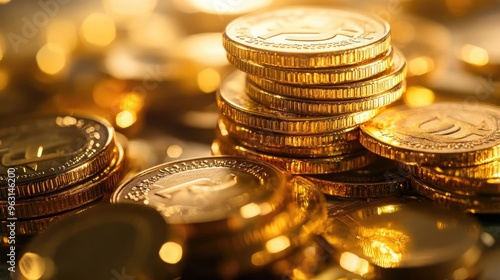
(443, 134)
(234, 103)
(307, 37)
(375, 85)
(317, 76)
(481, 204)
(207, 195)
(483, 179)
(295, 165)
(383, 177)
(105, 242)
(71, 197)
(323, 107)
(52, 152)
(402, 238)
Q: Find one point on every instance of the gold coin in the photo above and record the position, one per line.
(472, 204)
(317, 76)
(323, 107)
(206, 195)
(332, 149)
(295, 165)
(394, 238)
(52, 152)
(234, 103)
(443, 134)
(307, 37)
(383, 177)
(71, 197)
(483, 179)
(375, 85)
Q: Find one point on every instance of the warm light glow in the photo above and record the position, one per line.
(171, 252)
(417, 96)
(277, 244)
(2, 46)
(212, 53)
(208, 80)
(384, 246)
(51, 58)
(174, 151)
(4, 79)
(419, 66)
(32, 266)
(215, 149)
(353, 263)
(402, 33)
(474, 55)
(487, 239)
(227, 7)
(130, 7)
(62, 33)
(145, 32)
(250, 210)
(125, 118)
(222, 128)
(461, 274)
(98, 29)
(265, 208)
(132, 101)
(387, 209)
(4, 1)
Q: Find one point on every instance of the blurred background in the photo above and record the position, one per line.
(151, 67)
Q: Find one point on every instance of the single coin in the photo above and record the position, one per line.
(323, 107)
(373, 86)
(210, 194)
(52, 152)
(295, 165)
(332, 149)
(383, 177)
(483, 179)
(452, 134)
(71, 197)
(234, 103)
(481, 204)
(106, 242)
(307, 37)
(317, 76)
(402, 238)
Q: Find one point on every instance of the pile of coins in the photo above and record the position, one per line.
(53, 167)
(236, 216)
(313, 75)
(451, 148)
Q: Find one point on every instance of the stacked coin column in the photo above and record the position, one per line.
(313, 75)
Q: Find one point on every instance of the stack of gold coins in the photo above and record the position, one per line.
(452, 149)
(53, 167)
(313, 74)
(239, 216)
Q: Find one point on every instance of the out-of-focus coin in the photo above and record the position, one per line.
(444, 134)
(307, 37)
(73, 196)
(317, 76)
(383, 177)
(375, 85)
(52, 152)
(234, 103)
(103, 243)
(485, 204)
(211, 194)
(400, 238)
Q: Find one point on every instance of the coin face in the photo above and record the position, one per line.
(316, 32)
(39, 148)
(202, 190)
(468, 132)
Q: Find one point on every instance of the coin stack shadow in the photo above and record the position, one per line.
(78, 165)
(299, 107)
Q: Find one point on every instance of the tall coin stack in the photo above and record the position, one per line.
(53, 167)
(451, 148)
(313, 74)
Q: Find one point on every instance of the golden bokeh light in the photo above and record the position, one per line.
(32, 266)
(354, 264)
(98, 29)
(130, 7)
(208, 80)
(250, 210)
(51, 58)
(277, 244)
(171, 252)
(132, 101)
(212, 53)
(474, 55)
(417, 96)
(174, 151)
(125, 118)
(419, 66)
(62, 33)
(227, 7)
(4, 79)
(146, 32)
(4, 1)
